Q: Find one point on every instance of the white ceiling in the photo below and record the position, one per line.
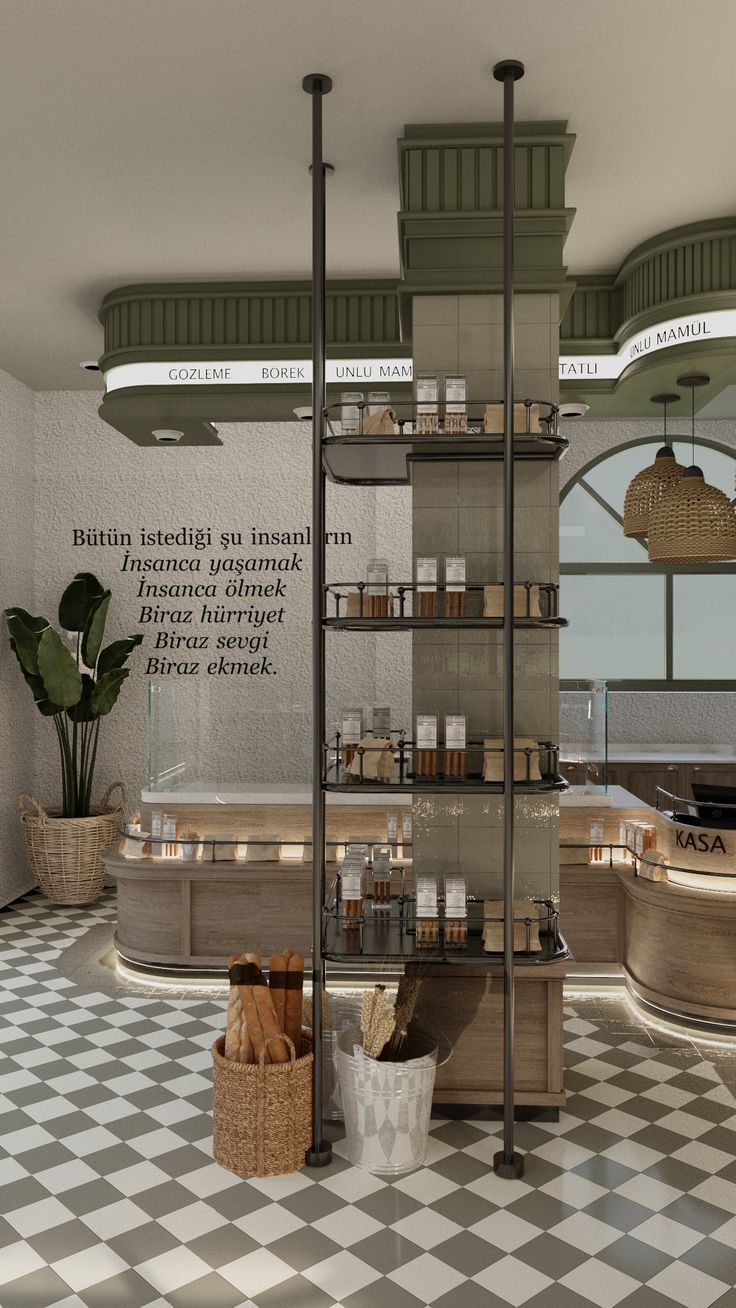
(166, 139)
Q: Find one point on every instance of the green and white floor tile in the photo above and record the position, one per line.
(110, 1198)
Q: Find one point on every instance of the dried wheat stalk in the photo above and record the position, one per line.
(377, 1021)
(307, 1012)
(406, 1004)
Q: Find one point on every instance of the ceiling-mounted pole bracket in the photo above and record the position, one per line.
(318, 83)
(508, 68)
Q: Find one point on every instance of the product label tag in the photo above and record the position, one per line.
(381, 864)
(352, 727)
(426, 896)
(351, 884)
(426, 731)
(455, 897)
(426, 574)
(377, 576)
(455, 394)
(455, 731)
(454, 573)
(381, 721)
(427, 390)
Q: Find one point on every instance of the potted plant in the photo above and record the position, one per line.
(75, 687)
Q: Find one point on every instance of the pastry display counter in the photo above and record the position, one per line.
(247, 876)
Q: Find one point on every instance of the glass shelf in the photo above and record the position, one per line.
(388, 460)
(391, 940)
(353, 456)
(398, 600)
(339, 757)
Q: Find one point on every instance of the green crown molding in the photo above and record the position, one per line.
(451, 216)
(203, 319)
(685, 270)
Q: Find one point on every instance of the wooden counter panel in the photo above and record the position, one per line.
(260, 914)
(467, 1005)
(149, 920)
(592, 913)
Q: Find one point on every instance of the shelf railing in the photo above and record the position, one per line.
(346, 601)
(344, 764)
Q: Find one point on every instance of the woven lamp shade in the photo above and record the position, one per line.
(695, 523)
(647, 489)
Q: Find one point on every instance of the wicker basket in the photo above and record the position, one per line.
(64, 853)
(262, 1112)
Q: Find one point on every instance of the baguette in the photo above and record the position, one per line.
(294, 996)
(277, 1050)
(234, 1032)
(277, 969)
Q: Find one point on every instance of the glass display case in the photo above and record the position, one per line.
(584, 735)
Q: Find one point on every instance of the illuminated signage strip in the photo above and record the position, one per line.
(695, 328)
(254, 372)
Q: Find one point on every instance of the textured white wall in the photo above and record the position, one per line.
(17, 713)
(642, 717)
(234, 730)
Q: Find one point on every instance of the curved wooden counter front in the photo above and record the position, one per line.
(192, 915)
(680, 951)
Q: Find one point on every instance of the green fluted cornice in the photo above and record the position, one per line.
(685, 270)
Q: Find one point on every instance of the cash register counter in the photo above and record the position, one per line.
(673, 940)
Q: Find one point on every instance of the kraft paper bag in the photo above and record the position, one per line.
(494, 420)
(493, 602)
(378, 760)
(493, 930)
(493, 760)
(379, 424)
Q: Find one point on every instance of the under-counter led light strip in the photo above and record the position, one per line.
(688, 328)
(219, 985)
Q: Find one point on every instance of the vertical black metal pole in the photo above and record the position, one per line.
(507, 1163)
(317, 85)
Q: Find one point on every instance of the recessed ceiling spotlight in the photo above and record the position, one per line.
(167, 435)
(90, 365)
(573, 409)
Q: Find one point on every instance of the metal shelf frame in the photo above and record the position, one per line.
(388, 460)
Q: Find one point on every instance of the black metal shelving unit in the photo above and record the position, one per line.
(365, 459)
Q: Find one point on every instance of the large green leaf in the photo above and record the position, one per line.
(61, 676)
(115, 654)
(95, 630)
(78, 600)
(105, 693)
(82, 711)
(25, 632)
(38, 690)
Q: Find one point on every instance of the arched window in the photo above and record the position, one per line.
(636, 624)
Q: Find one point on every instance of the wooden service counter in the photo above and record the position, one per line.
(192, 914)
(672, 940)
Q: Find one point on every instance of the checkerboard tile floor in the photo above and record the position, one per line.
(109, 1197)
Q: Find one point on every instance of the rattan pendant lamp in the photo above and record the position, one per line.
(651, 485)
(695, 522)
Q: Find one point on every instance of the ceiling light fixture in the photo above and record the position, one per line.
(695, 522)
(90, 365)
(650, 486)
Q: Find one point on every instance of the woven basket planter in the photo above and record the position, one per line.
(64, 853)
(262, 1112)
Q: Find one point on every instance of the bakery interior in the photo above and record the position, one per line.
(380, 467)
